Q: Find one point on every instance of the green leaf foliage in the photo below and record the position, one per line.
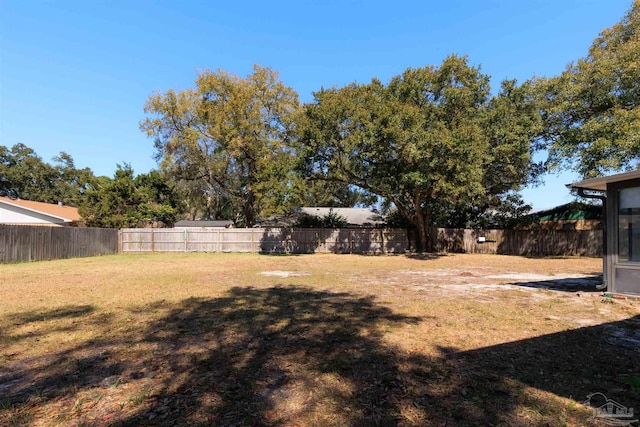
(24, 175)
(432, 137)
(330, 220)
(127, 201)
(592, 110)
(227, 143)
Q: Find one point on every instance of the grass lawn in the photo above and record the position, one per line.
(330, 340)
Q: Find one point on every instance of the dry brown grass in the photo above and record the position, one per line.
(180, 339)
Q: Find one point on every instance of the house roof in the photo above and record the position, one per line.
(600, 183)
(359, 217)
(354, 216)
(65, 213)
(219, 223)
(570, 211)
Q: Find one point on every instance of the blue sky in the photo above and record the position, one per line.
(74, 75)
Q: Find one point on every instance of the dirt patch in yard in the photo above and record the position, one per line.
(479, 281)
(280, 273)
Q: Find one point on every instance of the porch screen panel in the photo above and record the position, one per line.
(629, 225)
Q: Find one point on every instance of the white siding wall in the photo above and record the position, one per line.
(15, 215)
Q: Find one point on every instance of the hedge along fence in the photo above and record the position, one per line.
(20, 243)
(265, 240)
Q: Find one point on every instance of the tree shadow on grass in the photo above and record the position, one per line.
(276, 356)
(296, 356)
(571, 364)
(425, 256)
(57, 313)
(589, 283)
(48, 376)
(71, 313)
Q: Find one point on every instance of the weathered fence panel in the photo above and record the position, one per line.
(137, 240)
(165, 241)
(551, 242)
(518, 242)
(197, 241)
(369, 241)
(265, 240)
(21, 243)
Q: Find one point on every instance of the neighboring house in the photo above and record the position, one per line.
(203, 224)
(622, 243)
(355, 217)
(571, 216)
(25, 212)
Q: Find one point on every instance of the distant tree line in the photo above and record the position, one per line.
(122, 201)
(24, 175)
(431, 147)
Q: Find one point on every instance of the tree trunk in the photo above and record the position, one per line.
(422, 223)
(248, 209)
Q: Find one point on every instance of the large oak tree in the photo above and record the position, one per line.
(227, 142)
(432, 137)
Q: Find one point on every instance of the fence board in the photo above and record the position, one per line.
(22, 243)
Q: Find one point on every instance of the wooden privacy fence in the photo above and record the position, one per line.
(518, 242)
(264, 240)
(19, 243)
(310, 240)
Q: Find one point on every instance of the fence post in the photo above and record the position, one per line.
(153, 245)
(185, 237)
